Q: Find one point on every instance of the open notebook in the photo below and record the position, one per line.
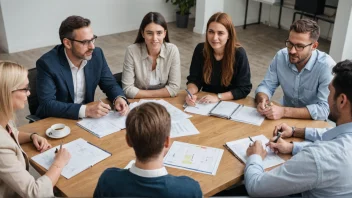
(228, 110)
(83, 156)
(239, 149)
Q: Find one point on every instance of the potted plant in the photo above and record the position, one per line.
(183, 14)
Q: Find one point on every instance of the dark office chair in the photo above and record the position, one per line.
(118, 78)
(32, 98)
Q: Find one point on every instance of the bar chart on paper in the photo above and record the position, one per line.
(193, 157)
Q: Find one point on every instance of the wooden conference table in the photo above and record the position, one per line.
(214, 132)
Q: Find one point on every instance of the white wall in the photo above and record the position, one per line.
(204, 10)
(3, 41)
(341, 45)
(35, 23)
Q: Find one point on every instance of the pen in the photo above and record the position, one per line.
(189, 93)
(250, 139)
(278, 136)
(60, 147)
(109, 110)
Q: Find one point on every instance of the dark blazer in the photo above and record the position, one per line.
(55, 85)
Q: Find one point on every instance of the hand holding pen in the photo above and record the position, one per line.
(279, 145)
(62, 157)
(191, 99)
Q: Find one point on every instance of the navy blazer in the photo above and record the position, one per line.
(55, 84)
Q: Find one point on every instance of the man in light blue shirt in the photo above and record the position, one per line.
(319, 169)
(304, 74)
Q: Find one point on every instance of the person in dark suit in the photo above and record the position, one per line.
(68, 75)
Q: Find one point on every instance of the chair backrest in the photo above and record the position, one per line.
(33, 99)
(118, 78)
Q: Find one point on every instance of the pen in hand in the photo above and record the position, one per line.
(278, 136)
(250, 139)
(60, 148)
(190, 95)
(114, 110)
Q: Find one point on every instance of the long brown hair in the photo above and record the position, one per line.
(229, 51)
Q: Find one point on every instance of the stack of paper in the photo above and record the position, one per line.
(239, 149)
(248, 115)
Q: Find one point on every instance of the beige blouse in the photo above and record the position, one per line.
(137, 69)
(15, 180)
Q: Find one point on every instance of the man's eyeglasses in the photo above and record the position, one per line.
(85, 42)
(23, 89)
(298, 47)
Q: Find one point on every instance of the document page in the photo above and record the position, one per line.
(239, 148)
(83, 156)
(100, 127)
(201, 109)
(248, 115)
(183, 128)
(193, 157)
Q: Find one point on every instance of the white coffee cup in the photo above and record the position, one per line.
(58, 130)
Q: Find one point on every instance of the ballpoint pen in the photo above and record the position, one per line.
(278, 136)
(250, 139)
(189, 93)
(60, 147)
(110, 109)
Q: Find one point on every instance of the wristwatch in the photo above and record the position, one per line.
(219, 96)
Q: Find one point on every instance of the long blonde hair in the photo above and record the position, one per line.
(12, 75)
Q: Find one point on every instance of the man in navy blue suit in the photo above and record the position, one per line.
(68, 75)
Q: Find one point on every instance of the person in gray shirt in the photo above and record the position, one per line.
(320, 169)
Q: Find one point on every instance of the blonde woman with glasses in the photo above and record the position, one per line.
(15, 180)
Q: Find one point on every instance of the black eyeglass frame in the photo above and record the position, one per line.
(300, 48)
(23, 89)
(85, 42)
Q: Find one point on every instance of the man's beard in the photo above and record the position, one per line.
(333, 115)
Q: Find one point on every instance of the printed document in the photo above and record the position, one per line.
(239, 149)
(83, 156)
(193, 157)
(183, 128)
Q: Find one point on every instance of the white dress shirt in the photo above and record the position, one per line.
(79, 84)
(148, 173)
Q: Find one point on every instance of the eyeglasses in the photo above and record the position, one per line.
(298, 47)
(85, 42)
(23, 89)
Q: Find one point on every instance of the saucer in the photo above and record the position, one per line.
(66, 131)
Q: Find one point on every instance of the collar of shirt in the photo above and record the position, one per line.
(83, 64)
(339, 130)
(145, 54)
(148, 173)
(309, 65)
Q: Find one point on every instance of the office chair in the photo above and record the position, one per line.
(32, 98)
(118, 78)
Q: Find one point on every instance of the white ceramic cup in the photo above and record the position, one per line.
(57, 130)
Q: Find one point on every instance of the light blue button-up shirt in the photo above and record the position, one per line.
(320, 169)
(308, 88)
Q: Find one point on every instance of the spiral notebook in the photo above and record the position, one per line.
(100, 127)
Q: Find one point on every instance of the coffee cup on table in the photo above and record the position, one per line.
(58, 130)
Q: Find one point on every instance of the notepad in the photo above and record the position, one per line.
(83, 156)
(193, 157)
(228, 110)
(239, 149)
(106, 125)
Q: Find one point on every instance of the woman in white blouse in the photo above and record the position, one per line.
(15, 180)
(152, 64)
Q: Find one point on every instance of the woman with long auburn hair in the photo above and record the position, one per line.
(220, 65)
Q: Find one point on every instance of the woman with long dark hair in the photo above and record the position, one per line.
(152, 64)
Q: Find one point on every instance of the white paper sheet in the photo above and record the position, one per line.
(100, 127)
(83, 156)
(183, 128)
(239, 147)
(130, 164)
(225, 109)
(193, 157)
(248, 115)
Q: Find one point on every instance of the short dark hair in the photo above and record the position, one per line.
(306, 25)
(342, 81)
(152, 17)
(147, 128)
(70, 24)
